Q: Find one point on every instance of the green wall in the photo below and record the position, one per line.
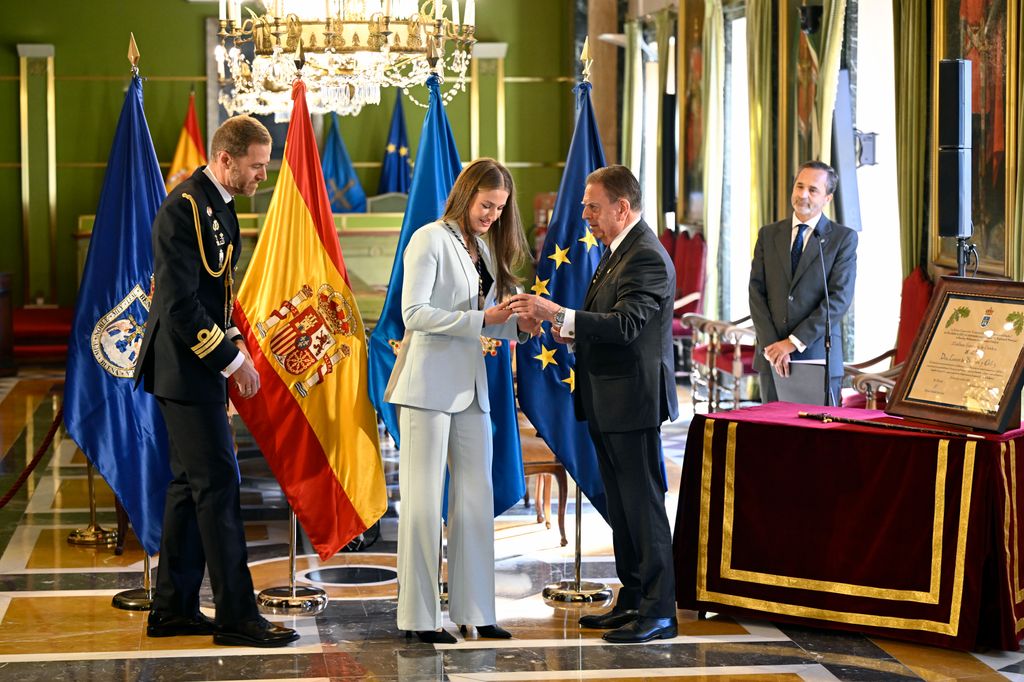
(92, 71)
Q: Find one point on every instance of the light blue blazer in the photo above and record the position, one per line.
(441, 364)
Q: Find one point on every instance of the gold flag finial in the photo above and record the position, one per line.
(133, 52)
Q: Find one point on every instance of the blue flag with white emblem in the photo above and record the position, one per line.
(396, 171)
(119, 429)
(343, 188)
(568, 259)
(437, 166)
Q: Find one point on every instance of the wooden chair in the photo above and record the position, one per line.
(870, 387)
(721, 360)
(689, 256)
(539, 461)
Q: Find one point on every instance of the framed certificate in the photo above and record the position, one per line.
(967, 362)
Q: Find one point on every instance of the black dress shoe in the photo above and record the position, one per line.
(172, 625)
(257, 632)
(615, 618)
(643, 630)
(441, 636)
(489, 631)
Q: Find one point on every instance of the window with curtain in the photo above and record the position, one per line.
(736, 245)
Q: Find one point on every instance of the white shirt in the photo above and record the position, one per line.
(811, 225)
(569, 326)
(230, 331)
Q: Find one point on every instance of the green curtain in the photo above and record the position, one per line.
(713, 144)
(833, 16)
(910, 27)
(633, 99)
(1015, 257)
(761, 93)
(664, 24)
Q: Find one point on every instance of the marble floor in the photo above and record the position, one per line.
(57, 622)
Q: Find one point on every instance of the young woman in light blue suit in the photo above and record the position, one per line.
(457, 269)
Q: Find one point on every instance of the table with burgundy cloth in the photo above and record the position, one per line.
(905, 535)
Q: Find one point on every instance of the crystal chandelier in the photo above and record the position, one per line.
(345, 51)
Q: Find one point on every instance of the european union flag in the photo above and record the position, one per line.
(343, 188)
(120, 430)
(396, 172)
(437, 166)
(567, 263)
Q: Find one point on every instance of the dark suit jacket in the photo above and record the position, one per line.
(625, 377)
(185, 347)
(782, 303)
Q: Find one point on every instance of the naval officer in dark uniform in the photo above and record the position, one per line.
(190, 351)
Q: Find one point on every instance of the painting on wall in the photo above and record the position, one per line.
(977, 30)
(690, 62)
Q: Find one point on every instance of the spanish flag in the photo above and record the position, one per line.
(190, 152)
(312, 417)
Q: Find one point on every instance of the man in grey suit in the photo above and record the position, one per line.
(787, 289)
(625, 389)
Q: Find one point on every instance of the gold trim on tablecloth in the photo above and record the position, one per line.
(950, 628)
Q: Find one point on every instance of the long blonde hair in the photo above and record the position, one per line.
(506, 237)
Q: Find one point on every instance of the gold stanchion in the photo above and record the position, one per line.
(578, 590)
(93, 535)
(294, 599)
(136, 599)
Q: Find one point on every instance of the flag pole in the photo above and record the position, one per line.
(579, 590)
(292, 600)
(138, 599)
(92, 535)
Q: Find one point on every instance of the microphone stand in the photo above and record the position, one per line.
(829, 401)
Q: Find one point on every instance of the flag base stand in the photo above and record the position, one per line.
(92, 535)
(578, 591)
(583, 591)
(138, 599)
(292, 600)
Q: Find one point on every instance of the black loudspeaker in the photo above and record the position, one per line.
(954, 162)
(954, 103)
(954, 209)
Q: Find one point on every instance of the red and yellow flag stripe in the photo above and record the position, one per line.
(190, 152)
(312, 418)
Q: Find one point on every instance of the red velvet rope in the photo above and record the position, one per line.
(43, 447)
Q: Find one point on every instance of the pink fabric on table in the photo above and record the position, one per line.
(783, 413)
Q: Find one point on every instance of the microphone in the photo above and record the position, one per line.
(830, 400)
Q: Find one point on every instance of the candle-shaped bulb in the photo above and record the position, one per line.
(470, 17)
(455, 13)
(438, 10)
(223, 10)
(585, 54)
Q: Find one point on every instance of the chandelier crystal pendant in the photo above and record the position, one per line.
(345, 51)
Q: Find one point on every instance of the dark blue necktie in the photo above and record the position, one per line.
(798, 248)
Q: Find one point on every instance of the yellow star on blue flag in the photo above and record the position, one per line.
(560, 256)
(547, 357)
(588, 239)
(571, 380)
(540, 286)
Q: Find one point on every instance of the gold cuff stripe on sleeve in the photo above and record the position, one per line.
(208, 340)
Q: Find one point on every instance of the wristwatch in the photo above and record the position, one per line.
(560, 317)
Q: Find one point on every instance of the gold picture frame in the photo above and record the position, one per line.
(985, 33)
(966, 366)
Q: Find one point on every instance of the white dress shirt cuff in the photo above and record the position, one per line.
(235, 364)
(800, 345)
(569, 326)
